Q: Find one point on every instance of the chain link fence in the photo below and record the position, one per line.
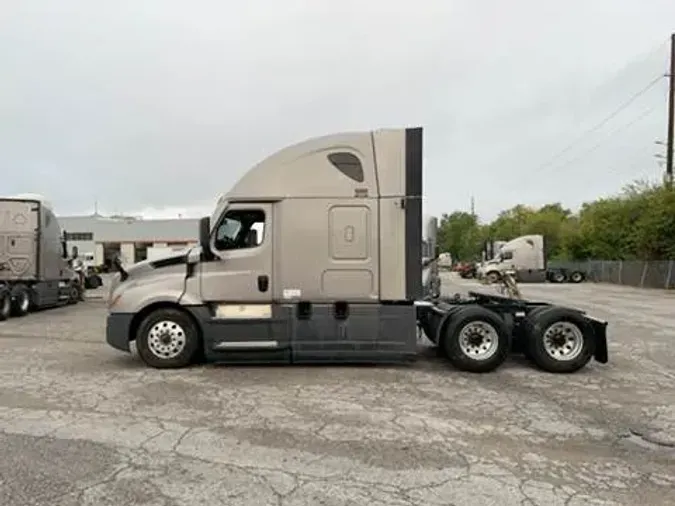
(642, 274)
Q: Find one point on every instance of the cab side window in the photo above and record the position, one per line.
(507, 255)
(240, 229)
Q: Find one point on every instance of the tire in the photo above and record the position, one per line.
(577, 277)
(559, 340)
(492, 277)
(92, 282)
(475, 322)
(183, 339)
(521, 346)
(558, 277)
(431, 324)
(5, 305)
(73, 293)
(21, 300)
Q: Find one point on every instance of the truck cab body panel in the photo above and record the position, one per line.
(338, 213)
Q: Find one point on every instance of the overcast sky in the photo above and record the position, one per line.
(157, 106)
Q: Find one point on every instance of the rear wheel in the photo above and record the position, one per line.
(577, 277)
(559, 340)
(475, 339)
(520, 344)
(21, 300)
(168, 338)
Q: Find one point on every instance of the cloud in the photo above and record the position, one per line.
(160, 104)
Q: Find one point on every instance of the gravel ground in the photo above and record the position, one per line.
(83, 424)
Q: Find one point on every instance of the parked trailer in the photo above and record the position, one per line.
(334, 276)
(34, 270)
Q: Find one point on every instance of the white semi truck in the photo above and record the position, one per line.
(526, 255)
(34, 269)
(334, 275)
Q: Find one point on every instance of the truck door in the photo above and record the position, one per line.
(237, 285)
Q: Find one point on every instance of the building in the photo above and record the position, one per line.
(129, 237)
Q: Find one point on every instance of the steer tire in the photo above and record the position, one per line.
(182, 333)
(5, 305)
(456, 334)
(558, 339)
(493, 277)
(22, 300)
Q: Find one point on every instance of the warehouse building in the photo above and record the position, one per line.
(130, 237)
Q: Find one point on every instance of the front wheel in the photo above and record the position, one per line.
(5, 305)
(74, 294)
(168, 338)
(475, 339)
(21, 300)
(559, 340)
(493, 277)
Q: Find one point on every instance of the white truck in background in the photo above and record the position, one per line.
(445, 261)
(491, 250)
(525, 255)
(34, 263)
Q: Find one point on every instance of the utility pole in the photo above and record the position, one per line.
(671, 115)
(473, 207)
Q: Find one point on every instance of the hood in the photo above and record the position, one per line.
(147, 266)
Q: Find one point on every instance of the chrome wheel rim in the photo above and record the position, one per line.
(166, 339)
(478, 340)
(563, 341)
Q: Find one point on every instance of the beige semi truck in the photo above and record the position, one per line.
(315, 256)
(34, 263)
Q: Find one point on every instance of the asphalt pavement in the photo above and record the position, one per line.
(82, 424)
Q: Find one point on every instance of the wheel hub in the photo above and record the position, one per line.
(563, 341)
(479, 340)
(166, 339)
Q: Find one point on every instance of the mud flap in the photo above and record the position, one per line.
(600, 332)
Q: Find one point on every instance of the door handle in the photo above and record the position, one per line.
(263, 283)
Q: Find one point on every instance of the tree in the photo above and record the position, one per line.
(637, 223)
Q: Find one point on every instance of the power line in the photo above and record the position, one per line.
(611, 134)
(602, 123)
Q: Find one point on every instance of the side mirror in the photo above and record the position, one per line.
(205, 237)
